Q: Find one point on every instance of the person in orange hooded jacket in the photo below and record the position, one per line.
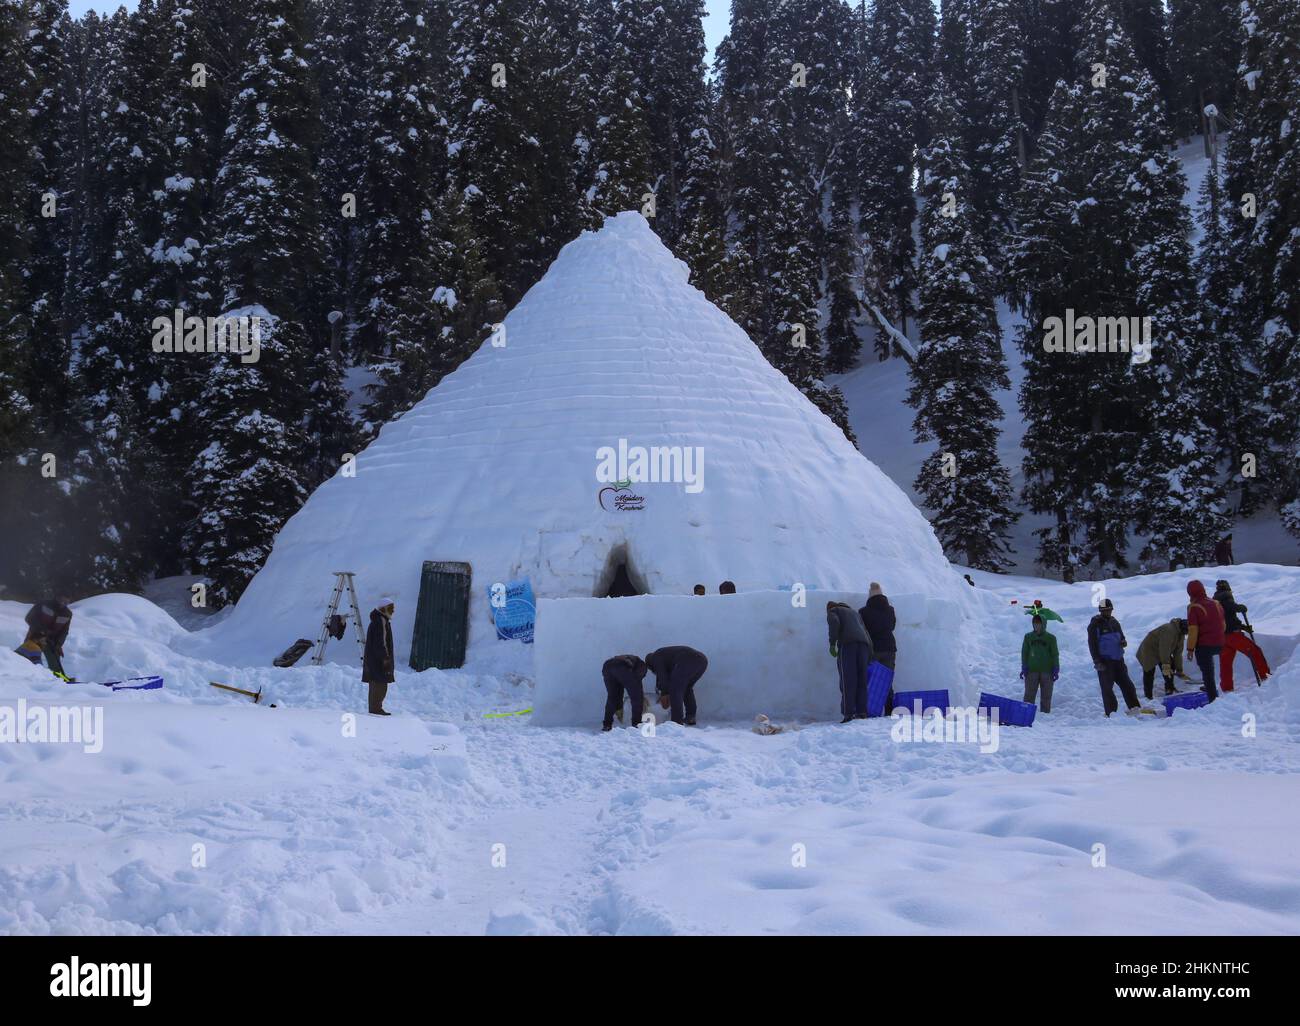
(1205, 633)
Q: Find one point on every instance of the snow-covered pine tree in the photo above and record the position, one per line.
(994, 124)
(901, 45)
(959, 363)
(254, 473)
(1050, 29)
(1147, 26)
(623, 170)
(680, 108)
(1088, 413)
(1204, 48)
(48, 209)
(403, 179)
(117, 480)
(1243, 193)
(344, 33)
(513, 126)
(771, 215)
(179, 278)
(1226, 397)
(1272, 66)
(249, 478)
(1180, 505)
(19, 473)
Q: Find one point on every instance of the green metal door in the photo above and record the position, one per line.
(441, 617)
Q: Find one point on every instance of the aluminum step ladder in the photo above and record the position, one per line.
(342, 579)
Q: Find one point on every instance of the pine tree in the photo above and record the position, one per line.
(254, 473)
(513, 130)
(959, 362)
(247, 480)
(19, 474)
(1272, 252)
(901, 47)
(621, 140)
(1111, 441)
(402, 182)
(1204, 48)
(994, 122)
(344, 37)
(771, 213)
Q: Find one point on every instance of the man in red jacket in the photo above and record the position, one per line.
(1205, 633)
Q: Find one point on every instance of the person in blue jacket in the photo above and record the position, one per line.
(1106, 644)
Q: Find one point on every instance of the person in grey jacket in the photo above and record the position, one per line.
(851, 647)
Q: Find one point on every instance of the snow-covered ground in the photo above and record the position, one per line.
(442, 819)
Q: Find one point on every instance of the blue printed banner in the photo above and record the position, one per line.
(514, 611)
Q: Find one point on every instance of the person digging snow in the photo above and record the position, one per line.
(377, 663)
(1235, 638)
(1106, 644)
(851, 647)
(1163, 648)
(1205, 635)
(623, 673)
(48, 624)
(677, 668)
(1040, 663)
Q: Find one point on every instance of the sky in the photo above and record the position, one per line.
(715, 21)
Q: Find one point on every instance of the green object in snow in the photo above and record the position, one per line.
(1044, 612)
(495, 716)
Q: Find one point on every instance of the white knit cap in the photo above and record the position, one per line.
(384, 602)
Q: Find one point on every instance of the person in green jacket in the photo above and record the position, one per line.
(1040, 663)
(1163, 648)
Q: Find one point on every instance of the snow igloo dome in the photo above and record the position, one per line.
(621, 435)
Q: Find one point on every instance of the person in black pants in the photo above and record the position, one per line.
(623, 673)
(377, 662)
(1106, 644)
(676, 669)
(48, 623)
(879, 619)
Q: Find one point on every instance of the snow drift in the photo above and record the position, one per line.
(498, 467)
(766, 654)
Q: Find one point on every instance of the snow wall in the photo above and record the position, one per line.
(766, 655)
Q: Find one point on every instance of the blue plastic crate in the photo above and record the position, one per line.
(1185, 700)
(1011, 712)
(928, 699)
(880, 678)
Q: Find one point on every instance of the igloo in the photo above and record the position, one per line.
(612, 367)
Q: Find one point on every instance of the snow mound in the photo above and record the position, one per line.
(498, 467)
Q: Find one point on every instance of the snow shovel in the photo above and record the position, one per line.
(255, 696)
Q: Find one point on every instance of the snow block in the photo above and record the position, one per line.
(1010, 712)
(928, 700)
(1186, 700)
(880, 678)
(766, 654)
